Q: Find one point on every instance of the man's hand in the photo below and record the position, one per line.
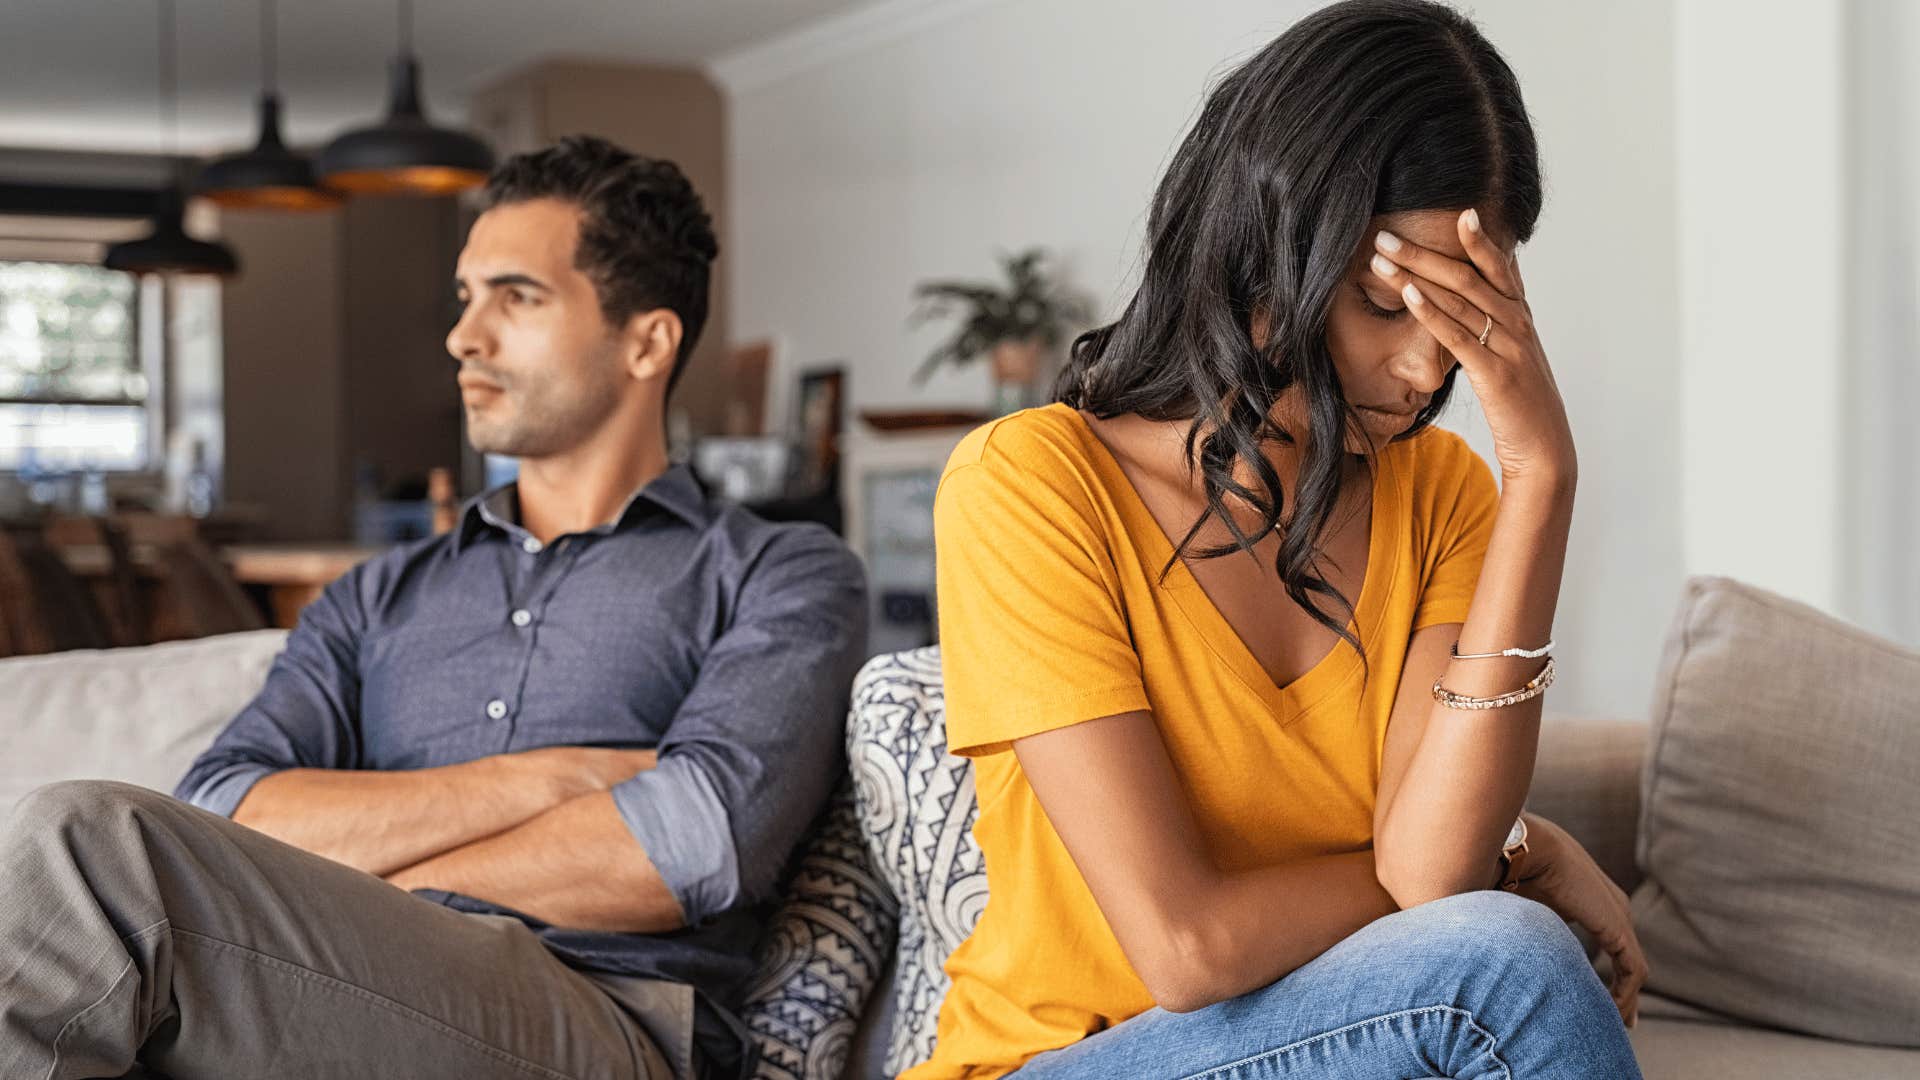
(575, 865)
(1558, 872)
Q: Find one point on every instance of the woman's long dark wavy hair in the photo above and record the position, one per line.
(1362, 108)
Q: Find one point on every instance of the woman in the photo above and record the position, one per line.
(1244, 811)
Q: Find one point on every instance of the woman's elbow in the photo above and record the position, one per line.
(1412, 883)
(1182, 973)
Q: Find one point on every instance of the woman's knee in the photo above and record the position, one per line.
(1501, 930)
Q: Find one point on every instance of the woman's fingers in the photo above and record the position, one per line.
(1447, 316)
(1614, 931)
(1448, 272)
(1447, 328)
(1470, 318)
(1494, 263)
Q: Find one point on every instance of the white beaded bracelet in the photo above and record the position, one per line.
(1524, 654)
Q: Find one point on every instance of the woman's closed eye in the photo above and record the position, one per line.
(1376, 310)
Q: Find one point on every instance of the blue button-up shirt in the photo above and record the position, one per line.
(688, 625)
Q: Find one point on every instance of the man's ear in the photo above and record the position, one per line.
(652, 342)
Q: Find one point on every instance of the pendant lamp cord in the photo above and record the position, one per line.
(406, 26)
(167, 83)
(269, 60)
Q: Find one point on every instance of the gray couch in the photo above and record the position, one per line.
(141, 714)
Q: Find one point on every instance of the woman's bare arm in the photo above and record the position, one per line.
(1444, 805)
(1452, 781)
(1194, 934)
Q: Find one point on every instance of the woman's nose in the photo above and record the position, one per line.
(1425, 365)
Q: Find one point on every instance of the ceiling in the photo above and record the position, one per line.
(81, 74)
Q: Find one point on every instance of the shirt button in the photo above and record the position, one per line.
(522, 617)
(496, 709)
(531, 546)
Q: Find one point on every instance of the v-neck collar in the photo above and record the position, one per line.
(1331, 672)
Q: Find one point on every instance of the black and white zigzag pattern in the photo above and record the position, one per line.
(901, 826)
(917, 807)
(823, 954)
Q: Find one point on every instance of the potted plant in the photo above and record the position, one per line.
(1012, 324)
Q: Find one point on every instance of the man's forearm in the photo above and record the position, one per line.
(1469, 773)
(382, 821)
(575, 865)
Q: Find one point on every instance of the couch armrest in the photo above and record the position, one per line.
(1586, 779)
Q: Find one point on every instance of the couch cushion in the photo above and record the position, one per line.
(917, 809)
(823, 955)
(138, 715)
(1783, 880)
(1586, 779)
(1673, 1042)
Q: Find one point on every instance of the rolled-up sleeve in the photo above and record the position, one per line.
(305, 715)
(756, 746)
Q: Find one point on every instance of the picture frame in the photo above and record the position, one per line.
(819, 411)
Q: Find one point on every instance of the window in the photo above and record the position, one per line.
(73, 392)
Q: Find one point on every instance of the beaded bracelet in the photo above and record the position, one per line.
(1524, 654)
(1532, 690)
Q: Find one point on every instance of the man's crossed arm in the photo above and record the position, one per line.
(494, 828)
(581, 837)
(382, 821)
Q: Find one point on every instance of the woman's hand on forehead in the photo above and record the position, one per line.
(1477, 308)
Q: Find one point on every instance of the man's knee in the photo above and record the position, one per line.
(71, 806)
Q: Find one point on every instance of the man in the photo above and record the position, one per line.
(514, 800)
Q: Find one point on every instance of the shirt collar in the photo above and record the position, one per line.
(676, 491)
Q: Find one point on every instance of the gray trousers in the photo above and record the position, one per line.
(136, 930)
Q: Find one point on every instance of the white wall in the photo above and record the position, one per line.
(1761, 173)
(867, 156)
(1881, 575)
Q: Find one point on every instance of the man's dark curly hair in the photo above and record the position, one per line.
(646, 241)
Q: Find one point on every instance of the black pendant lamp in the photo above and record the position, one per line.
(405, 154)
(168, 249)
(269, 176)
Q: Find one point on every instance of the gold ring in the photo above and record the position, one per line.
(1487, 330)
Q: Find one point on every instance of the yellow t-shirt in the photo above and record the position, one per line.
(1052, 613)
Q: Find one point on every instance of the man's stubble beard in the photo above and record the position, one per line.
(544, 418)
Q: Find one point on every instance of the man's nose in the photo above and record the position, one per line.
(468, 339)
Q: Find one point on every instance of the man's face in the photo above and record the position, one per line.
(541, 369)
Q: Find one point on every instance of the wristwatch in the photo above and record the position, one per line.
(1511, 853)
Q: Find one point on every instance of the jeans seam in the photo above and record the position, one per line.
(1474, 1024)
(398, 1008)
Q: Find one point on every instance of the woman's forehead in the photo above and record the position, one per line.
(1435, 230)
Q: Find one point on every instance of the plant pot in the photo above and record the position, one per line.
(1016, 375)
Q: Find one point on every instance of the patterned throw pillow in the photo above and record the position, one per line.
(823, 954)
(916, 806)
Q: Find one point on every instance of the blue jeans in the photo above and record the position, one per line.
(1483, 984)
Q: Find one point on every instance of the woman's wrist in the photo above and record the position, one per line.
(1546, 487)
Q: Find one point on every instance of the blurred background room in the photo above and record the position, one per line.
(223, 381)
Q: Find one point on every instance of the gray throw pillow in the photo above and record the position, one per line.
(139, 715)
(1778, 835)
